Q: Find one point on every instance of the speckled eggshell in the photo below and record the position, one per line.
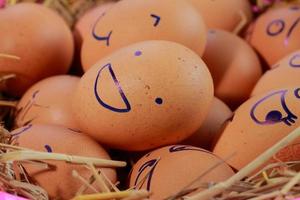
(144, 96)
(212, 126)
(285, 73)
(59, 182)
(275, 33)
(234, 66)
(48, 102)
(224, 14)
(167, 170)
(132, 21)
(42, 41)
(260, 123)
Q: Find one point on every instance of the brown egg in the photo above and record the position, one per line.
(224, 14)
(132, 21)
(258, 124)
(48, 102)
(275, 33)
(40, 38)
(166, 171)
(234, 66)
(214, 122)
(59, 182)
(285, 73)
(144, 96)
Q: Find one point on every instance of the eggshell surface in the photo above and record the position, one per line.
(39, 38)
(143, 96)
(234, 66)
(132, 21)
(168, 170)
(48, 102)
(59, 182)
(275, 33)
(284, 73)
(224, 14)
(212, 126)
(258, 124)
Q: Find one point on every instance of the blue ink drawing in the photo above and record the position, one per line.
(293, 60)
(277, 26)
(274, 116)
(156, 18)
(149, 164)
(158, 101)
(98, 37)
(25, 128)
(48, 148)
(177, 148)
(121, 92)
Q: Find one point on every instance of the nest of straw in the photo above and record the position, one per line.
(276, 181)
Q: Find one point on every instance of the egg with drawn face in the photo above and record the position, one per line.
(48, 102)
(258, 124)
(58, 180)
(132, 21)
(275, 33)
(144, 96)
(168, 170)
(285, 73)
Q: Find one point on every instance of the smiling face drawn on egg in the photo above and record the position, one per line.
(276, 116)
(280, 26)
(127, 106)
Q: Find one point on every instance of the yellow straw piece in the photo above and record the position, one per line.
(265, 176)
(12, 2)
(111, 195)
(4, 55)
(36, 155)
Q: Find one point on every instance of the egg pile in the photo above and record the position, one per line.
(175, 87)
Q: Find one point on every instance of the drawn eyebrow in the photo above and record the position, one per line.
(157, 19)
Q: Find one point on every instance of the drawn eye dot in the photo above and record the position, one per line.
(48, 148)
(138, 53)
(158, 101)
(274, 116)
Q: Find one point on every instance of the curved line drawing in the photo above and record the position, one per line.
(292, 63)
(101, 38)
(48, 148)
(297, 93)
(152, 164)
(282, 26)
(25, 128)
(288, 120)
(121, 92)
(291, 30)
(177, 148)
